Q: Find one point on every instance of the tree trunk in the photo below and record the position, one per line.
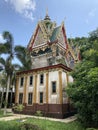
(7, 92)
(11, 96)
(2, 97)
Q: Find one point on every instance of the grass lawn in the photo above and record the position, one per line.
(2, 115)
(43, 124)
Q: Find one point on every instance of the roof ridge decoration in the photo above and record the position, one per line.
(47, 16)
(42, 28)
(64, 33)
(31, 42)
(71, 51)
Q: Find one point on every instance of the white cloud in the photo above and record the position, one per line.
(24, 7)
(1, 39)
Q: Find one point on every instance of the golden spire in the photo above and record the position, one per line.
(46, 11)
(46, 17)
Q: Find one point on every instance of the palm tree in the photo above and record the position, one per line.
(7, 63)
(9, 69)
(20, 52)
(13, 83)
(24, 57)
(2, 48)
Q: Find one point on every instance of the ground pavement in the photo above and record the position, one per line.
(17, 116)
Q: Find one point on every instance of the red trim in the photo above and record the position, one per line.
(34, 38)
(30, 48)
(46, 68)
(65, 38)
(79, 56)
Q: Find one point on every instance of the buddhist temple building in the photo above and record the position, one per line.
(43, 88)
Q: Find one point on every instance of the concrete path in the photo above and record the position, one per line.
(17, 116)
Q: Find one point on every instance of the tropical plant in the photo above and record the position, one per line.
(83, 92)
(20, 52)
(7, 62)
(39, 113)
(23, 56)
(19, 108)
(9, 69)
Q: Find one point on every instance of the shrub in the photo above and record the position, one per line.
(28, 126)
(90, 129)
(18, 108)
(39, 113)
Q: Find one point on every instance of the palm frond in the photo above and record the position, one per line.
(9, 42)
(24, 57)
(2, 61)
(2, 48)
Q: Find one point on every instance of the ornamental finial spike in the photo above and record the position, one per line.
(47, 17)
(46, 11)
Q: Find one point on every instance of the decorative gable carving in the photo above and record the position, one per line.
(39, 39)
(61, 39)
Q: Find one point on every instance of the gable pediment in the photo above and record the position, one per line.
(37, 38)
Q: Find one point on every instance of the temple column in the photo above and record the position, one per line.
(67, 78)
(25, 91)
(17, 91)
(67, 81)
(35, 90)
(60, 88)
(47, 79)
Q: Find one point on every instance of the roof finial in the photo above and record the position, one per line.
(46, 11)
(46, 17)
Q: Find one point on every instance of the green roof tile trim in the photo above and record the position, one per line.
(55, 34)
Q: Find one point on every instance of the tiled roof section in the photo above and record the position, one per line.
(46, 68)
(55, 34)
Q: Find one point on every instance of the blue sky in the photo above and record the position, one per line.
(20, 17)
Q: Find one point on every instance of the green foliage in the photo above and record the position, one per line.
(29, 126)
(2, 48)
(93, 35)
(24, 57)
(18, 108)
(39, 113)
(84, 91)
(7, 65)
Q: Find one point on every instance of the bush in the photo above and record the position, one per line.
(38, 113)
(90, 129)
(19, 108)
(28, 126)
